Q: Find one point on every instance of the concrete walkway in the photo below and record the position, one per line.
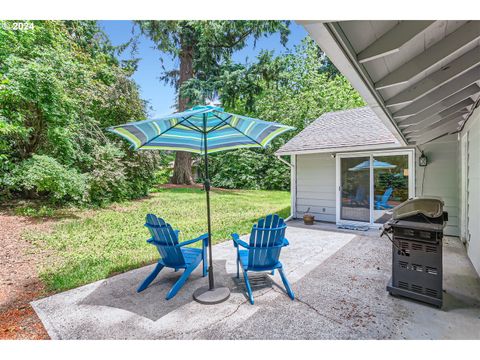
(339, 281)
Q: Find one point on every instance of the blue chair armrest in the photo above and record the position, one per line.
(237, 241)
(285, 242)
(188, 242)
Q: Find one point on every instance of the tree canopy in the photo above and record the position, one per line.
(202, 48)
(292, 89)
(61, 85)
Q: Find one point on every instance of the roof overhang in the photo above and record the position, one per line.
(421, 78)
(334, 150)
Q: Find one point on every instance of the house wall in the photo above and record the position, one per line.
(441, 177)
(316, 189)
(470, 154)
(315, 186)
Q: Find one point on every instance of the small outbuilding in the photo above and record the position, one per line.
(348, 168)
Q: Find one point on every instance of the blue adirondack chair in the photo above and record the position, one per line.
(360, 198)
(173, 254)
(382, 201)
(267, 238)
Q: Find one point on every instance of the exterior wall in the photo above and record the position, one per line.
(315, 186)
(316, 174)
(471, 179)
(441, 177)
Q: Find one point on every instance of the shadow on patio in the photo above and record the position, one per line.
(338, 277)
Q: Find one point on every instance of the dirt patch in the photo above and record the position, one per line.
(19, 282)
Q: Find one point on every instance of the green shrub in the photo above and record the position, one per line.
(61, 86)
(42, 175)
(249, 169)
(116, 175)
(42, 211)
(107, 179)
(163, 175)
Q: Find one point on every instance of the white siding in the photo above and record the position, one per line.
(315, 186)
(472, 218)
(442, 177)
(315, 181)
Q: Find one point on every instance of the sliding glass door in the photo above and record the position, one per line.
(355, 189)
(391, 178)
(371, 184)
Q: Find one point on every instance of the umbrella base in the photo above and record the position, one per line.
(206, 296)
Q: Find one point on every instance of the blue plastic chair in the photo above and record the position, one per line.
(360, 198)
(266, 240)
(173, 254)
(382, 201)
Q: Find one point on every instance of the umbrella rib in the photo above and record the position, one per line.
(240, 131)
(195, 127)
(224, 121)
(170, 128)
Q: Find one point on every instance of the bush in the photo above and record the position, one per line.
(42, 175)
(248, 169)
(116, 175)
(39, 211)
(163, 175)
(61, 86)
(107, 178)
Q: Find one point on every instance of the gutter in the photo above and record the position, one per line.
(279, 157)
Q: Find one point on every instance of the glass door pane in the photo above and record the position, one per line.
(355, 189)
(390, 174)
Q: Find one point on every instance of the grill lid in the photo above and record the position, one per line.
(430, 206)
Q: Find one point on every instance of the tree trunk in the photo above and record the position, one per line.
(182, 170)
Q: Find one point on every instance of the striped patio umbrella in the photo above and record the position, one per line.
(202, 130)
(365, 165)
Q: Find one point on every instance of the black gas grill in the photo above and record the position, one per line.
(416, 231)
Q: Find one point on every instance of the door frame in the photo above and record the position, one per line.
(371, 154)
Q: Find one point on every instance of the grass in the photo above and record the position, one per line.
(94, 244)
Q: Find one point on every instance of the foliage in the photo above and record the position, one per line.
(95, 244)
(60, 87)
(251, 169)
(163, 175)
(31, 211)
(201, 48)
(292, 89)
(394, 180)
(46, 175)
(209, 43)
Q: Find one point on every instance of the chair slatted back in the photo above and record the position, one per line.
(386, 195)
(269, 232)
(165, 240)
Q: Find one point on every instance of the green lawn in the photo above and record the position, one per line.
(94, 244)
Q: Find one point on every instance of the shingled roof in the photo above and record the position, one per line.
(341, 129)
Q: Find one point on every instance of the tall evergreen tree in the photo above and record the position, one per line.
(201, 48)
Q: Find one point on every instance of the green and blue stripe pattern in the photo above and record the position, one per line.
(186, 131)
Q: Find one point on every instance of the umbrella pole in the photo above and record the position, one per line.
(210, 294)
(211, 283)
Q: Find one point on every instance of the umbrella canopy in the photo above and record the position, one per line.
(365, 165)
(201, 130)
(188, 130)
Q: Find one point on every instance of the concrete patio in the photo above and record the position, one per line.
(339, 279)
